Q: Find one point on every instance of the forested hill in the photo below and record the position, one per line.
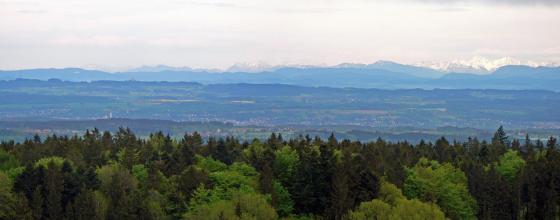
(381, 77)
(103, 175)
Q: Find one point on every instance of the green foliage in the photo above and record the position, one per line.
(376, 209)
(303, 178)
(44, 162)
(14, 172)
(510, 164)
(202, 196)
(441, 184)
(157, 141)
(140, 172)
(119, 186)
(284, 203)
(227, 182)
(122, 194)
(105, 174)
(54, 186)
(285, 164)
(8, 161)
(84, 206)
(210, 164)
(244, 169)
(7, 199)
(190, 179)
(231, 184)
(101, 204)
(128, 157)
(393, 205)
(154, 204)
(241, 206)
(255, 151)
(500, 137)
(37, 203)
(218, 210)
(237, 177)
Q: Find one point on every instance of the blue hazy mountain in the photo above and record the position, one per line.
(410, 69)
(507, 77)
(68, 74)
(383, 74)
(161, 68)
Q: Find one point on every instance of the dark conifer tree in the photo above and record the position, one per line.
(37, 204)
(72, 184)
(83, 206)
(266, 179)
(341, 197)
(500, 137)
(529, 149)
(54, 186)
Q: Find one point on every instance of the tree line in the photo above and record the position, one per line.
(103, 175)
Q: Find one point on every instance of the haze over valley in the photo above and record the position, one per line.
(279, 110)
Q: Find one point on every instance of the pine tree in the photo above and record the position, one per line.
(187, 149)
(529, 151)
(54, 185)
(341, 200)
(120, 192)
(23, 211)
(37, 203)
(332, 142)
(72, 183)
(499, 144)
(83, 207)
(551, 144)
(500, 137)
(274, 141)
(266, 179)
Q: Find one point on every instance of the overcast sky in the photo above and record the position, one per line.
(219, 33)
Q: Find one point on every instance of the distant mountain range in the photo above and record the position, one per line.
(382, 74)
(477, 65)
(481, 65)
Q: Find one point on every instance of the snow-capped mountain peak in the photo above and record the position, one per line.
(478, 64)
(250, 67)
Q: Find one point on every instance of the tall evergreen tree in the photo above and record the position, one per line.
(54, 186)
(500, 137)
(341, 197)
(37, 203)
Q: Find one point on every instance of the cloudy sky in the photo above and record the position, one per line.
(218, 33)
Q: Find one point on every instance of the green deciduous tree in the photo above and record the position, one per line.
(510, 164)
(285, 164)
(7, 199)
(241, 206)
(392, 205)
(442, 184)
(119, 186)
(284, 204)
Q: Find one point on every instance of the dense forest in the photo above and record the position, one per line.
(103, 175)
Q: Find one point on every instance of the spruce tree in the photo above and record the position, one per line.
(37, 203)
(500, 137)
(54, 185)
